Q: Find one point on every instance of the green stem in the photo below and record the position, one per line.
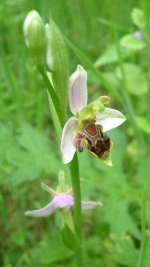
(74, 170)
(52, 93)
(143, 228)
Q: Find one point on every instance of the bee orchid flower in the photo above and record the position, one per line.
(62, 200)
(89, 123)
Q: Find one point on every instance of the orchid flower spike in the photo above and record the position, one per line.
(89, 123)
(62, 199)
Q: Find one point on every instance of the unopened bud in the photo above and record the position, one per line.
(57, 62)
(49, 54)
(35, 37)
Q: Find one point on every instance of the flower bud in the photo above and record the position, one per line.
(57, 62)
(49, 56)
(35, 37)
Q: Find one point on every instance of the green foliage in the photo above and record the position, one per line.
(49, 250)
(138, 19)
(129, 41)
(110, 55)
(144, 124)
(70, 240)
(135, 79)
(28, 154)
(124, 250)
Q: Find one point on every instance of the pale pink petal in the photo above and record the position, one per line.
(78, 90)
(111, 118)
(46, 211)
(67, 144)
(88, 205)
(63, 201)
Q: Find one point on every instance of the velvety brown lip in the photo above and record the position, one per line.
(96, 141)
(101, 148)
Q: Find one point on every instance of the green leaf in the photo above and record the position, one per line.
(144, 124)
(29, 154)
(123, 250)
(110, 55)
(25, 169)
(135, 79)
(51, 249)
(137, 16)
(116, 213)
(70, 239)
(111, 77)
(94, 246)
(40, 147)
(131, 42)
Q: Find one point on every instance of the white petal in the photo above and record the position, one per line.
(111, 118)
(87, 205)
(67, 144)
(78, 90)
(47, 210)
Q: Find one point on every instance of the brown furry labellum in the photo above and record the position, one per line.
(97, 142)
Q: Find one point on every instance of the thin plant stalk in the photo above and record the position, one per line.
(74, 170)
(52, 93)
(143, 228)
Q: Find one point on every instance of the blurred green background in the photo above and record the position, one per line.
(102, 39)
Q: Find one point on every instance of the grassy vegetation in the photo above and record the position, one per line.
(100, 35)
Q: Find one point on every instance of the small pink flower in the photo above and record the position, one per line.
(89, 123)
(61, 200)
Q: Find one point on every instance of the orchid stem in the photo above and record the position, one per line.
(143, 229)
(52, 93)
(74, 170)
